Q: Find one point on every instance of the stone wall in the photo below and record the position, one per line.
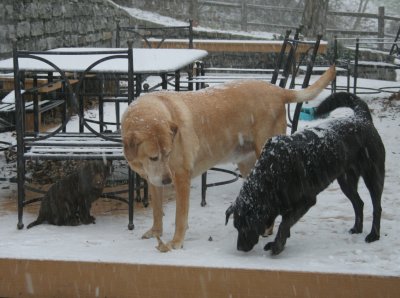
(42, 25)
(371, 69)
(7, 28)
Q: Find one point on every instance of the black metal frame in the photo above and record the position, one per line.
(395, 47)
(164, 32)
(359, 42)
(394, 52)
(145, 33)
(313, 49)
(5, 125)
(27, 139)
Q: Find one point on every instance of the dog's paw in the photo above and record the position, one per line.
(268, 246)
(275, 248)
(371, 238)
(355, 230)
(175, 244)
(152, 233)
(161, 246)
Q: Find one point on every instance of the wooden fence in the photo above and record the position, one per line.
(245, 9)
(380, 16)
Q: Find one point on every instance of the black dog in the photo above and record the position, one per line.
(293, 170)
(68, 201)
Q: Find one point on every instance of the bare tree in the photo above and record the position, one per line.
(314, 17)
(362, 6)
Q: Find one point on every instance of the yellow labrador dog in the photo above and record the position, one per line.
(170, 137)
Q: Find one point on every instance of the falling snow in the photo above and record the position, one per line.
(320, 240)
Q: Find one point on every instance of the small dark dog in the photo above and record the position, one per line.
(293, 170)
(68, 201)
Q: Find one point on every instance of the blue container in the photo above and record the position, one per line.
(307, 113)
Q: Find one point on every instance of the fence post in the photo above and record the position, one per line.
(381, 25)
(244, 15)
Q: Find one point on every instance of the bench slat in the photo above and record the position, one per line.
(377, 64)
(74, 145)
(233, 77)
(74, 142)
(62, 156)
(68, 150)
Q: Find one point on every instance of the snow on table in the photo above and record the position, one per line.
(145, 61)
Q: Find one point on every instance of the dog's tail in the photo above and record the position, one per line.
(344, 100)
(312, 91)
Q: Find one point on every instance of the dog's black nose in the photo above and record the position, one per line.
(166, 180)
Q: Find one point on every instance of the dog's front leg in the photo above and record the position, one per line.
(288, 220)
(182, 188)
(277, 246)
(156, 203)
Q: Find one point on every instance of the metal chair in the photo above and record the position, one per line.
(65, 143)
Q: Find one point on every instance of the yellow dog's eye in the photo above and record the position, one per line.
(153, 158)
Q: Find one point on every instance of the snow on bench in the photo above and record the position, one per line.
(322, 69)
(75, 146)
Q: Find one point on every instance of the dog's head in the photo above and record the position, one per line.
(248, 223)
(147, 147)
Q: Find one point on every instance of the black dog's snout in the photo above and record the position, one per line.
(243, 247)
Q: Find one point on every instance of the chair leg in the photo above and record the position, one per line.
(20, 224)
(137, 188)
(296, 117)
(140, 184)
(203, 189)
(145, 199)
(131, 183)
(21, 190)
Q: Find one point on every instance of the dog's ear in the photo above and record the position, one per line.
(229, 212)
(131, 144)
(136, 138)
(174, 128)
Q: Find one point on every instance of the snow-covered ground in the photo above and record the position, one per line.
(319, 241)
